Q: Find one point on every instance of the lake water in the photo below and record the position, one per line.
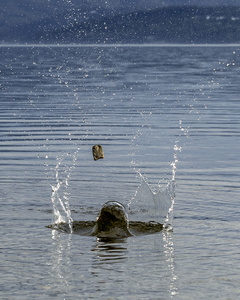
(168, 114)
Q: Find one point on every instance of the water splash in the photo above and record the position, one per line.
(61, 209)
(147, 205)
(61, 260)
(60, 194)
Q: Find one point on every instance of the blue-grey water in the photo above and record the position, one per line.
(168, 114)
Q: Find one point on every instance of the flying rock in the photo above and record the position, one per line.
(97, 151)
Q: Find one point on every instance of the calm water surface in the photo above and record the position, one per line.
(155, 110)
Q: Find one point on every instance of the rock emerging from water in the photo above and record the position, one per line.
(97, 151)
(112, 221)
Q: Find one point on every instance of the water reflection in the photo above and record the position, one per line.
(130, 266)
(145, 259)
(109, 262)
(169, 255)
(61, 262)
(109, 251)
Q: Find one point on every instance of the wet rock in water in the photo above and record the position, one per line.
(97, 151)
(112, 221)
(140, 228)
